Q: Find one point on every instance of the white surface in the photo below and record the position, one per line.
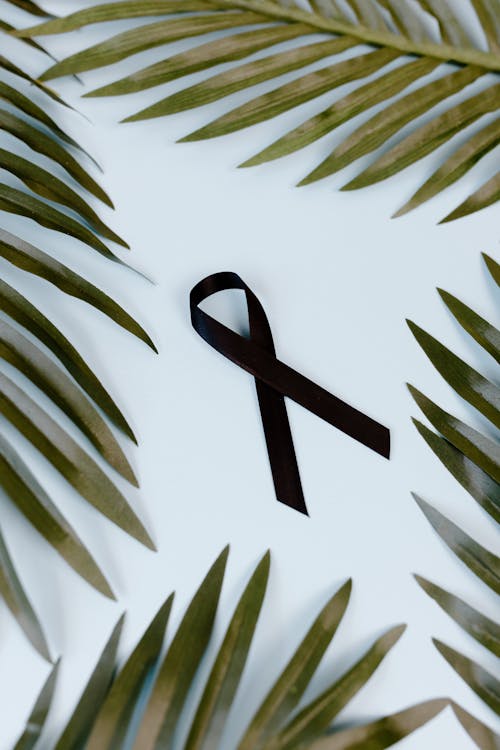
(337, 279)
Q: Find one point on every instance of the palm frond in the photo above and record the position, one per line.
(416, 39)
(60, 198)
(474, 460)
(154, 691)
(161, 704)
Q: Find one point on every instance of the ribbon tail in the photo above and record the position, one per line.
(280, 448)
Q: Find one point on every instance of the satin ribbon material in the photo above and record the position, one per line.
(274, 380)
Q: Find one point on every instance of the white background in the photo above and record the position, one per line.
(337, 278)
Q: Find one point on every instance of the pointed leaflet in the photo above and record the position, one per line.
(48, 146)
(485, 196)
(31, 499)
(30, 7)
(15, 70)
(152, 35)
(479, 560)
(468, 383)
(26, 105)
(244, 76)
(113, 716)
(406, 19)
(295, 93)
(493, 268)
(480, 627)
(313, 720)
(369, 14)
(480, 485)
(18, 202)
(181, 663)
(23, 312)
(484, 684)
(80, 724)
(481, 451)
(379, 128)
(489, 18)
(458, 164)
(20, 352)
(453, 31)
(293, 681)
(28, 257)
(483, 332)
(484, 737)
(36, 720)
(78, 468)
(49, 186)
(382, 88)
(427, 138)
(382, 733)
(225, 676)
(12, 592)
(116, 11)
(204, 56)
(335, 22)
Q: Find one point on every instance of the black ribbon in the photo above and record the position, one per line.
(274, 380)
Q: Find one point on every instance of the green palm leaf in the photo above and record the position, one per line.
(62, 198)
(124, 695)
(111, 724)
(474, 460)
(483, 736)
(484, 630)
(293, 681)
(225, 676)
(78, 727)
(315, 718)
(39, 713)
(181, 662)
(13, 594)
(382, 733)
(69, 458)
(421, 37)
(484, 684)
(34, 503)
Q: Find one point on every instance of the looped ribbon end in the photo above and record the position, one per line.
(274, 380)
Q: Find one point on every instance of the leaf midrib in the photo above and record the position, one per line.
(441, 51)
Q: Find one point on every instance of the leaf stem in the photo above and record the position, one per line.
(441, 51)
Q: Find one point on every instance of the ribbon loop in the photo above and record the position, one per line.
(274, 380)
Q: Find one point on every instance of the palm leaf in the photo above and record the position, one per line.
(181, 662)
(225, 676)
(382, 733)
(113, 717)
(69, 458)
(29, 359)
(422, 37)
(13, 594)
(33, 260)
(483, 736)
(293, 681)
(124, 695)
(61, 196)
(39, 713)
(474, 460)
(484, 630)
(34, 503)
(315, 718)
(484, 684)
(78, 727)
